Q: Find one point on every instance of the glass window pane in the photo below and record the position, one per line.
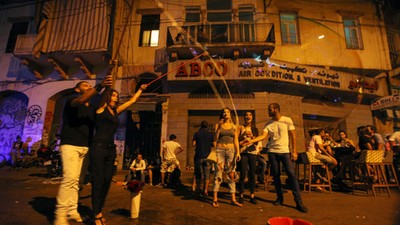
(219, 4)
(192, 17)
(219, 17)
(288, 17)
(146, 38)
(349, 22)
(192, 14)
(150, 22)
(245, 16)
(154, 38)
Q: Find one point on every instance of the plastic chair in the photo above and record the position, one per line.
(301, 222)
(280, 221)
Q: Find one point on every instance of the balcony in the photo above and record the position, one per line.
(65, 62)
(233, 40)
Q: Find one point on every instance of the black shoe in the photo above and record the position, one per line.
(278, 201)
(241, 200)
(253, 200)
(301, 207)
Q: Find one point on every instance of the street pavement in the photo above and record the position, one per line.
(28, 197)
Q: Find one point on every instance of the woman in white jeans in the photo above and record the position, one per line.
(227, 150)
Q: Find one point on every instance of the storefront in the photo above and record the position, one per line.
(311, 96)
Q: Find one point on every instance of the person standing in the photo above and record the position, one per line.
(102, 150)
(203, 140)
(168, 154)
(227, 151)
(75, 138)
(248, 162)
(281, 132)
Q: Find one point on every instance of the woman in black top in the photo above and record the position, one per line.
(102, 152)
(249, 156)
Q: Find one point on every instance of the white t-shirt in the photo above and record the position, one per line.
(139, 165)
(171, 147)
(312, 145)
(278, 132)
(395, 137)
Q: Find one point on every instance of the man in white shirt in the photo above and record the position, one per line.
(138, 167)
(316, 147)
(280, 130)
(168, 157)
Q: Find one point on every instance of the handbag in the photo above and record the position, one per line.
(212, 157)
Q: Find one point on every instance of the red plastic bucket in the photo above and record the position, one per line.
(280, 221)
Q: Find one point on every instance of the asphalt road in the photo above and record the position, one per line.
(28, 197)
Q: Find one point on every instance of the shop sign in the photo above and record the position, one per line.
(243, 69)
(386, 102)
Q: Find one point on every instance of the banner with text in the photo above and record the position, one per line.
(251, 69)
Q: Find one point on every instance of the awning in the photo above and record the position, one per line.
(386, 102)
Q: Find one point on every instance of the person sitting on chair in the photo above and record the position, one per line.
(138, 167)
(319, 152)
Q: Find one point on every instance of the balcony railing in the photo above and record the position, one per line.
(221, 33)
(395, 58)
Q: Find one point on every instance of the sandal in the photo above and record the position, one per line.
(101, 219)
(235, 203)
(215, 204)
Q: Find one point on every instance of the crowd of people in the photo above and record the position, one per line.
(225, 148)
(339, 154)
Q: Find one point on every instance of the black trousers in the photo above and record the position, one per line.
(102, 157)
(247, 166)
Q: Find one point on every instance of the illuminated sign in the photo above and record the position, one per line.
(250, 69)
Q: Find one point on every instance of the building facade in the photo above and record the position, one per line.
(324, 62)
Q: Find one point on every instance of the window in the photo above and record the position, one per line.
(246, 13)
(219, 14)
(149, 30)
(352, 33)
(246, 23)
(16, 29)
(192, 14)
(289, 30)
(219, 10)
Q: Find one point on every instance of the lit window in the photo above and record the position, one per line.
(352, 33)
(289, 30)
(149, 30)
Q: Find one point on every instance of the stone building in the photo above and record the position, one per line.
(325, 62)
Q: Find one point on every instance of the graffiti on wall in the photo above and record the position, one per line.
(13, 110)
(33, 115)
(34, 123)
